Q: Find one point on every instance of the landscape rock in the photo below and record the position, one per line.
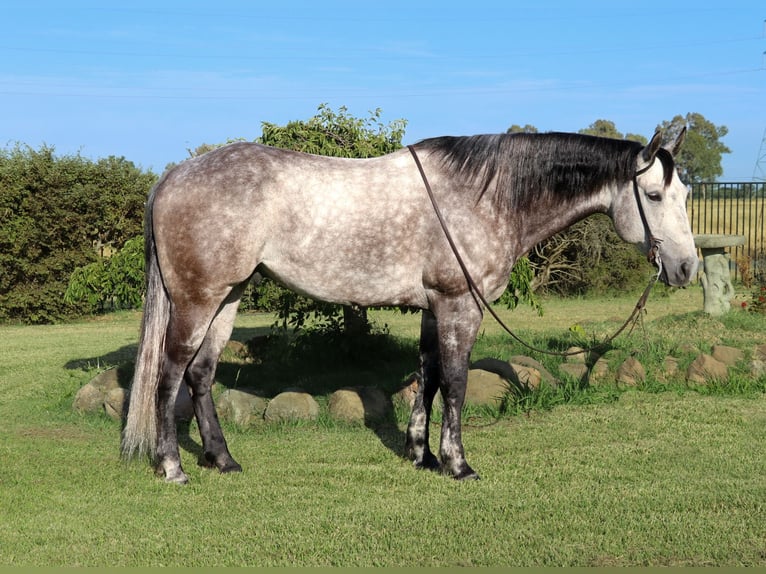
(705, 369)
(406, 395)
(600, 370)
(237, 349)
(523, 376)
(727, 355)
(670, 367)
(292, 405)
(485, 388)
(576, 355)
(359, 404)
(89, 399)
(242, 406)
(108, 392)
(578, 371)
(115, 404)
(631, 372)
(532, 363)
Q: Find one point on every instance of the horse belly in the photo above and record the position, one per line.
(349, 272)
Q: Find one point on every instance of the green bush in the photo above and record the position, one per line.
(58, 213)
(113, 283)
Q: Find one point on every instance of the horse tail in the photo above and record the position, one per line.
(139, 437)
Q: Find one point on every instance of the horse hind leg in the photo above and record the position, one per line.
(185, 334)
(199, 376)
(417, 441)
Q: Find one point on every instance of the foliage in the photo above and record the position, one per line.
(337, 134)
(589, 257)
(757, 300)
(607, 129)
(520, 285)
(517, 129)
(113, 283)
(58, 213)
(700, 156)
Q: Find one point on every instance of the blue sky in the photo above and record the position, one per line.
(147, 80)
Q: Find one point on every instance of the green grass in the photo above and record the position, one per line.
(667, 474)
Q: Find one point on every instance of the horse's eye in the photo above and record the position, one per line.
(654, 196)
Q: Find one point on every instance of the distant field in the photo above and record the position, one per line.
(733, 216)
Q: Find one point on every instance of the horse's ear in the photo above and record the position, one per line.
(652, 147)
(675, 147)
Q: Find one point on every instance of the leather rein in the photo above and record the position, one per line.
(653, 257)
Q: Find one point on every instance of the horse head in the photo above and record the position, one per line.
(650, 212)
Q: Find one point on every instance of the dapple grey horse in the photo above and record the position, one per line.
(364, 232)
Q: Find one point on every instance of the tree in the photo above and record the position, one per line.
(700, 156)
(517, 129)
(607, 129)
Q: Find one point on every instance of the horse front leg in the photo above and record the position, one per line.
(417, 445)
(458, 324)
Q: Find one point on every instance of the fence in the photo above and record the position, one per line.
(736, 209)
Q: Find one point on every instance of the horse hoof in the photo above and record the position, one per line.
(466, 474)
(177, 478)
(232, 466)
(428, 463)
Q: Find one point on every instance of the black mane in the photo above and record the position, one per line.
(515, 169)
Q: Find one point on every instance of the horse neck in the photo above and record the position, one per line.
(550, 217)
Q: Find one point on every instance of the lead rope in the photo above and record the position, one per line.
(654, 257)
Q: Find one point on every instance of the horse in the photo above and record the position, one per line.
(364, 232)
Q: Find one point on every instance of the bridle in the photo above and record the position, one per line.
(653, 257)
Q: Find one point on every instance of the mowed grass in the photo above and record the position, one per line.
(648, 476)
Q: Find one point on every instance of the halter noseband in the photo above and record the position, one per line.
(654, 242)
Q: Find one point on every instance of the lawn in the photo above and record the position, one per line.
(657, 475)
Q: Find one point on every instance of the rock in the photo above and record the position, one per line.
(106, 380)
(578, 371)
(485, 388)
(360, 404)
(530, 362)
(243, 407)
(115, 404)
(576, 355)
(599, 370)
(527, 377)
(292, 405)
(727, 355)
(497, 366)
(522, 376)
(237, 349)
(406, 395)
(89, 399)
(631, 372)
(670, 367)
(757, 368)
(705, 368)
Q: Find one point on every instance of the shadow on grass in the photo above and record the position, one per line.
(317, 363)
